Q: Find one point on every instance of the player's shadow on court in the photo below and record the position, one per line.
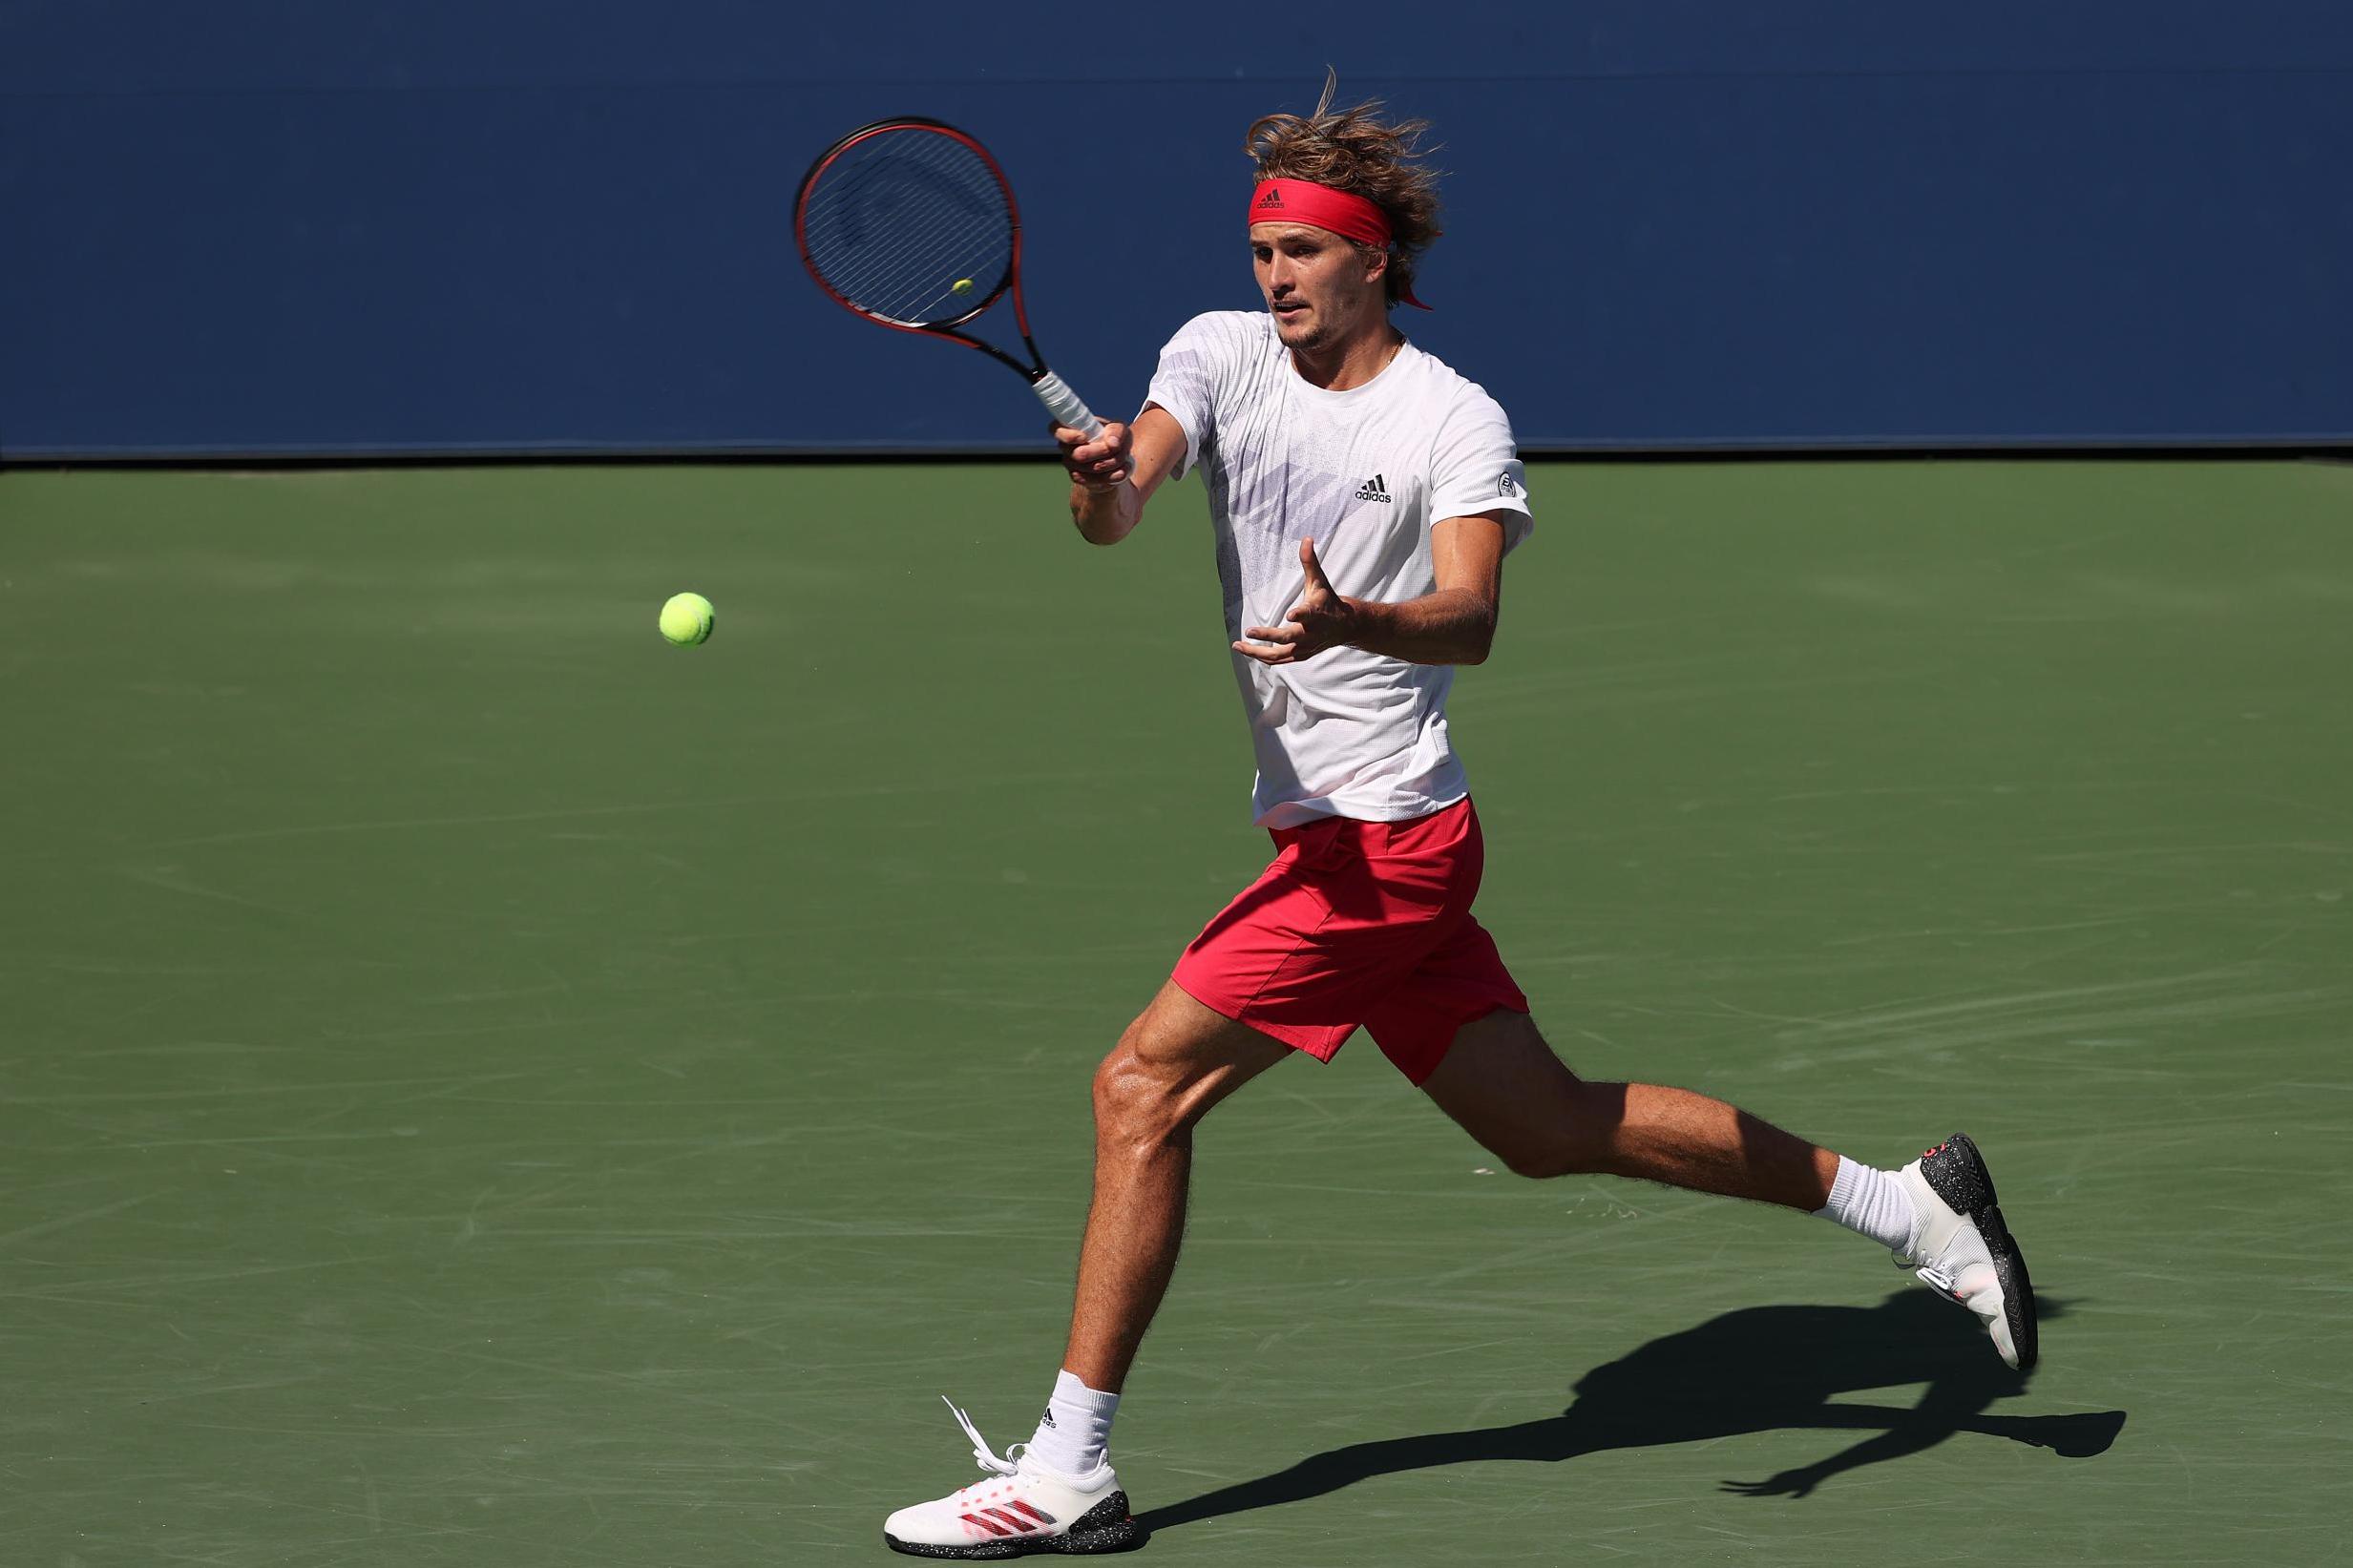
(1762, 1368)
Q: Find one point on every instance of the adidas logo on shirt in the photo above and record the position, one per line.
(1372, 489)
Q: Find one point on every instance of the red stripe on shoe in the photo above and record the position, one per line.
(1020, 1525)
(1040, 1516)
(989, 1525)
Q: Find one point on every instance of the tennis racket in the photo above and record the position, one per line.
(909, 223)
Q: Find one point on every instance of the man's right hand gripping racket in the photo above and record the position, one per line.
(909, 223)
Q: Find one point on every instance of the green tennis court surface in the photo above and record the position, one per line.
(483, 1087)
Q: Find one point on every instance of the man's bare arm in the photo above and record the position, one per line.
(1112, 475)
(1452, 624)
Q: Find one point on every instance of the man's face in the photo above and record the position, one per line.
(1316, 283)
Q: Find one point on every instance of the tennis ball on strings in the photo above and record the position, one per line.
(962, 285)
(687, 619)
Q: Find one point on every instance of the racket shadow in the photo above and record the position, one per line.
(1757, 1369)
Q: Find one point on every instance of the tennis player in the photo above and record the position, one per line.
(1364, 496)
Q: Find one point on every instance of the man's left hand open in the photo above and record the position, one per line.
(1321, 619)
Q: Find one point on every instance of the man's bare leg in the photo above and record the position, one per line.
(1503, 1083)
(1175, 1061)
(1506, 1087)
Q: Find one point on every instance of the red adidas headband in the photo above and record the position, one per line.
(1320, 206)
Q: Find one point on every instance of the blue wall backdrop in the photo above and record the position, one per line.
(273, 226)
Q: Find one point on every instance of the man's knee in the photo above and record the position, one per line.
(1557, 1156)
(1573, 1142)
(1138, 1099)
(1175, 1061)
(1120, 1083)
(1537, 1162)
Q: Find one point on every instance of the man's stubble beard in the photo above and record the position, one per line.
(1321, 334)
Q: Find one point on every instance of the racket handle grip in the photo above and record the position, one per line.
(1068, 408)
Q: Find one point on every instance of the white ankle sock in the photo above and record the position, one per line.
(1871, 1202)
(1076, 1430)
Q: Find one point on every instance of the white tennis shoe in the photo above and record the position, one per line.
(1963, 1250)
(1023, 1506)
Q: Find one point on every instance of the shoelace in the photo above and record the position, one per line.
(1008, 1464)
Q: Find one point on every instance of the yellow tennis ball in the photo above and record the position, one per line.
(963, 285)
(687, 619)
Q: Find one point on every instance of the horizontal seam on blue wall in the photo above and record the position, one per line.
(766, 83)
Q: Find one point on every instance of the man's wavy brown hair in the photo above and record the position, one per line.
(1357, 151)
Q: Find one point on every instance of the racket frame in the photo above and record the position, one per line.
(1010, 281)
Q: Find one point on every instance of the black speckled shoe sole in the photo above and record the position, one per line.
(1105, 1527)
(1956, 1173)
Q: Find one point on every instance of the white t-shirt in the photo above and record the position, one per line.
(1365, 473)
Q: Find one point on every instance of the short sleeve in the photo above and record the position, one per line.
(1191, 368)
(1476, 468)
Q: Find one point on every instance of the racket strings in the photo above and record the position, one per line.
(898, 219)
(912, 281)
(956, 241)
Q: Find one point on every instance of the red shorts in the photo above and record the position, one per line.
(1359, 923)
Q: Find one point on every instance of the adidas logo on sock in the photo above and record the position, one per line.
(1372, 489)
(1047, 1419)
